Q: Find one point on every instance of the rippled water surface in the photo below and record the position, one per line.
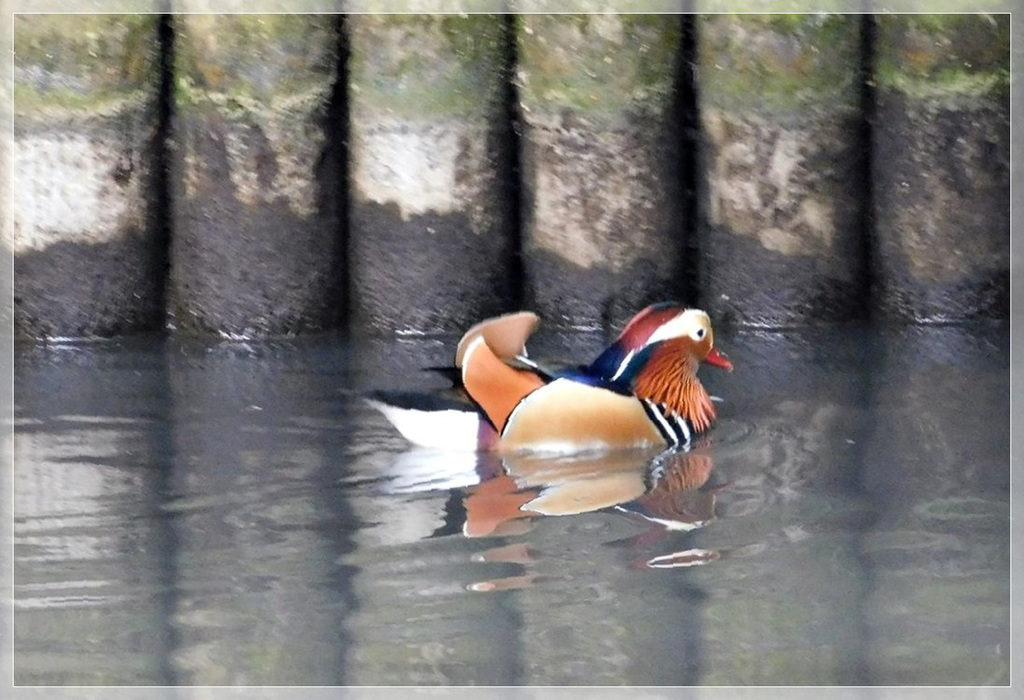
(234, 514)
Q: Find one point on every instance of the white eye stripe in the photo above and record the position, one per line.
(689, 323)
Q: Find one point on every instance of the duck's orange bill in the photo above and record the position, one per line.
(718, 359)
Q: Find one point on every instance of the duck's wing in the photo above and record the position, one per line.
(467, 415)
(505, 335)
(496, 387)
(454, 374)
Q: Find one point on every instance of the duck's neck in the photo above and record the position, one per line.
(669, 382)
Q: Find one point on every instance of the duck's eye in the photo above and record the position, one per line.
(699, 334)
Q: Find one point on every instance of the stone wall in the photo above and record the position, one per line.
(268, 175)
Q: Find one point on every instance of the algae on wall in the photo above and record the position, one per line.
(602, 161)
(431, 169)
(782, 174)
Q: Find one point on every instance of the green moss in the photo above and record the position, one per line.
(597, 63)
(57, 103)
(794, 24)
(782, 63)
(943, 55)
(252, 57)
(474, 38)
(775, 8)
(417, 65)
(88, 53)
(244, 37)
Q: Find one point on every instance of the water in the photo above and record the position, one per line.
(233, 514)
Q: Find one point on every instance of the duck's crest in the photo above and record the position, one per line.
(611, 363)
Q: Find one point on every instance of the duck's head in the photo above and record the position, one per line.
(656, 358)
(687, 331)
(689, 334)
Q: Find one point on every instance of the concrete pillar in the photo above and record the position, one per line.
(603, 215)
(433, 216)
(941, 166)
(783, 167)
(258, 246)
(89, 234)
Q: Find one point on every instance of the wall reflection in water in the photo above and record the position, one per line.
(259, 598)
(936, 468)
(197, 514)
(92, 550)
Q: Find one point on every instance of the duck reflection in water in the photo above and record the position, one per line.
(670, 491)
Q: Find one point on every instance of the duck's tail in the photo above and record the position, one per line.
(435, 421)
(491, 376)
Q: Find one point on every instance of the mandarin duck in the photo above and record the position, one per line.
(641, 391)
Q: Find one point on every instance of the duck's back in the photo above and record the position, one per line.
(562, 415)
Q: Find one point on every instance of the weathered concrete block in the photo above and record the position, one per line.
(88, 239)
(941, 157)
(603, 200)
(783, 152)
(258, 246)
(431, 175)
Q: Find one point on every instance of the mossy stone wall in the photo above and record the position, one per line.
(782, 167)
(602, 149)
(941, 169)
(258, 245)
(431, 174)
(89, 243)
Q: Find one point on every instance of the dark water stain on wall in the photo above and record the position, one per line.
(257, 175)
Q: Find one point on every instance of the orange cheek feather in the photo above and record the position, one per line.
(670, 379)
